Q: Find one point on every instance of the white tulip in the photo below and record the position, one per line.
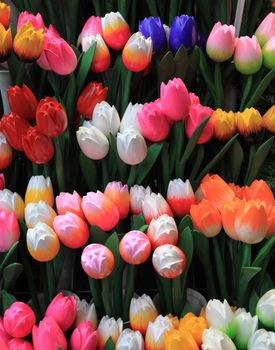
(105, 118)
(129, 119)
(156, 330)
(213, 339)
(137, 195)
(138, 43)
(112, 21)
(85, 312)
(93, 143)
(266, 309)
(246, 327)
(153, 206)
(180, 189)
(88, 40)
(162, 230)
(131, 146)
(12, 201)
(262, 340)
(130, 340)
(39, 189)
(108, 327)
(39, 212)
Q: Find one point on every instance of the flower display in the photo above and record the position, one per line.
(131, 146)
(93, 143)
(39, 212)
(105, 118)
(86, 312)
(120, 196)
(5, 11)
(12, 201)
(180, 196)
(265, 309)
(84, 337)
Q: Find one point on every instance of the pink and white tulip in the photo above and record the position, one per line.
(120, 196)
(153, 206)
(162, 230)
(248, 55)
(135, 247)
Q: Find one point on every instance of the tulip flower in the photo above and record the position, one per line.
(129, 119)
(269, 120)
(120, 196)
(169, 261)
(221, 42)
(18, 320)
(131, 147)
(262, 339)
(19, 344)
(115, 30)
(131, 340)
(153, 28)
(213, 339)
(197, 114)
(216, 190)
(5, 152)
(57, 55)
(194, 325)
(97, 261)
(22, 101)
(14, 128)
(228, 213)
(246, 327)
(153, 206)
(72, 231)
(266, 29)
(69, 202)
(42, 242)
(105, 118)
(13, 202)
(153, 123)
(269, 53)
(175, 99)
(92, 94)
(9, 230)
(4, 336)
(238, 190)
(100, 210)
(4, 14)
(4, 344)
(135, 247)
(142, 311)
(249, 121)
(183, 33)
(84, 337)
(91, 27)
(63, 310)
(265, 309)
(224, 124)
(48, 335)
(5, 43)
(259, 189)
(2, 182)
(248, 55)
(220, 316)
(39, 212)
(37, 146)
(137, 52)
(108, 327)
(28, 42)
(179, 340)
(85, 312)
(51, 117)
(162, 230)
(137, 195)
(270, 221)
(92, 142)
(35, 20)
(39, 189)
(180, 197)
(154, 339)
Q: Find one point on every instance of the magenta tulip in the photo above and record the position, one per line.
(19, 344)
(84, 337)
(35, 20)
(197, 114)
(9, 230)
(3, 334)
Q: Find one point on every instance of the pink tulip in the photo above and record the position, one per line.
(92, 27)
(153, 123)
(3, 334)
(84, 337)
(35, 20)
(48, 335)
(196, 115)
(69, 202)
(19, 320)
(2, 181)
(99, 210)
(269, 53)
(9, 230)
(135, 247)
(19, 344)
(57, 55)
(175, 100)
(120, 196)
(221, 42)
(194, 99)
(72, 231)
(248, 55)
(3, 344)
(266, 29)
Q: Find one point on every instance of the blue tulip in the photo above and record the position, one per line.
(183, 32)
(152, 27)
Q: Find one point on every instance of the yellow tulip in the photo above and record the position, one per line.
(194, 325)
(249, 121)
(175, 321)
(5, 12)
(5, 43)
(179, 340)
(269, 120)
(39, 189)
(224, 124)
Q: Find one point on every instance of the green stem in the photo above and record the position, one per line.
(218, 86)
(264, 251)
(97, 6)
(167, 287)
(20, 73)
(252, 152)
(47, 170)
(220, 269)
(42, 83)
(117, 294)
(105, 177)
(96, 294)
(246, 254)
(132, 175)
(59, 165)
(129, 292)
(50, 279)
(126, 91)
(248, 86)
(106, 296)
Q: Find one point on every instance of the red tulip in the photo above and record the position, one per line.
(51, 117)
(14, 128)
(38, 147)
(19, 344)
(2, 181)
(22, 101)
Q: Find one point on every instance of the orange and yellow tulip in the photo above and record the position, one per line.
(5, 43)
(269, 120)
(224, 124)
(249, 121)
(5, 12)
(194, 325)
(179, 340)
(39, 189)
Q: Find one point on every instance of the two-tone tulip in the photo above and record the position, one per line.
(91, 27)
(248, 56)
(12, 201)
(108, 327)
(246, 327)
(131, 146)
(135, 247)
(9, 230)
(265, 309)
(115, 30)
(269, 53)
(22, 101)
(224, 124)
(39, 212)
(35, 20)
(260, 190)
(266, 29)
(39, 189)
(5, 12)
(69, 202)
(213, 339)
(154, 339)
(262, 339)
(153, 206)
(137, 195)
(86, 312)
(102, 58)
(179, 340)
(5, 152)
(249, 122)
(131, 340)
(92, 142)
(5, 43)
(153, 28)
(180, 196)
(162, 230)
(183, 33)
(120, 196)
(105, 118)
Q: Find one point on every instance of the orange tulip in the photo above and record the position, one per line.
(270, 220)
(206, 218)
(5, 12)
(194, 325)
(5, 43)
(249, 121)
(259, 189)
(179, 340)
(224, 124)
(228, 218)
(120, 196)
(175, 321)
(269, 120)
(238, 190)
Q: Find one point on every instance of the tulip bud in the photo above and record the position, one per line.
(115, 30)
(153, 28)
(69, 202)
(39, 188)
(19, 344)
(221, 42)
(105, 118)
(4, 14)
(213, 339)
(266, 309)
(92, 26)
(108, 327)
(137, 195)
(42, 242)
(97, 261)
(135, 247)
(12, 202)
(22, 101)
(4, 336)
(180, 197)
(9, 230)
(153, 206)
(5, 43)
(259, 189)
(93, 143)
(248, 55)
(84, 337)
(154, 339)
(266, 29)
(162, 230)
(183, 33)
(2, 181)
(5, 152)
(269, 54)
(249, 121)
(197, 114)
(19, 320)
(224, 124)
(228, 214)
(85, 312)
(137, 52)
(131, 147)
(246, 327)
(129, 119)
(39, 212)
(262, 339)
(119, 195)
(269, 120)
(130, 340)
(100, 210)
(35, 20)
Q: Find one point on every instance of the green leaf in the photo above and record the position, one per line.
(187, 308)
(11, 273)
(97, 235)
(267, 284)
(137, 222)
(178, 295)
(84, 67)
(236, 157)
(89, 170)
(198, 162)
(144, 168)
(114, 160)
(205, 70)
(109, 345)
(246, 278)
(253, 301)
(116, 79)
(193, 67)
(264, 252)
(8, 256)
(166, 67)
(7, 299)
(185, 222)
(143, 228)
(165, 166)
(113, 244)
(181, 63)
(70, 97)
